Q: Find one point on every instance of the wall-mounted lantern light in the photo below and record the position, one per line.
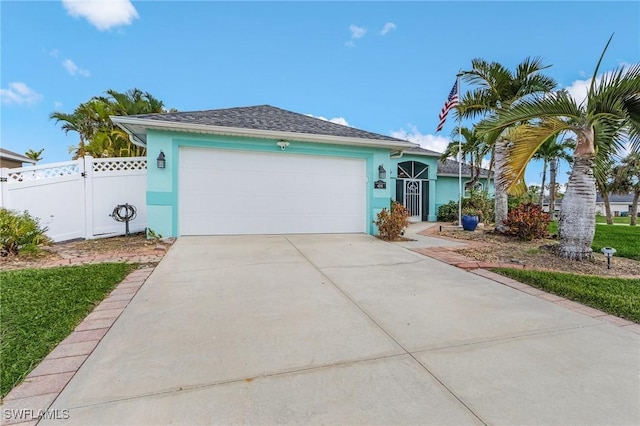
(162, 162)
(382, 173)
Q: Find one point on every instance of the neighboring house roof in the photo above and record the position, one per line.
(255, 121)
(450, 168)
(616, 198)
(10, 155)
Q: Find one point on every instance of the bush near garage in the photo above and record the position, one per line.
(392, 223)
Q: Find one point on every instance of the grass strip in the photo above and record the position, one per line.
(40, 307)
(625, 239)
(616, 296)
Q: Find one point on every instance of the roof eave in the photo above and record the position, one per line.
(424, 154)
(123, 122)
(17, 157)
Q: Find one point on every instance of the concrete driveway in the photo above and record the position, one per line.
(346, 329)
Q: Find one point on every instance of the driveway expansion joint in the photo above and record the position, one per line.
(426, 369)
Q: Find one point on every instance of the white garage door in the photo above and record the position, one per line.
(239, 192)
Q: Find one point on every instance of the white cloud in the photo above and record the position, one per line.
(103, 14)
(73, 69)
(19, 93)
(55, 53)
(579, 88)
(350, 43)
(57, 105)
(388, 27)
(432, 142)
(356, 31)
(336, 120)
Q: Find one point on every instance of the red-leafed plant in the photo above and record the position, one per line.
(527, 222)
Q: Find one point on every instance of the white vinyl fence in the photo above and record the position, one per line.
(75, 199)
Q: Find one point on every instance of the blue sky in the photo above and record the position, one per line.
(385, 67)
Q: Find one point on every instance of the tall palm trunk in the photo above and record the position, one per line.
(577, 224)
(501, 206)
(634, 208)
(607, 207)
(544, 179)
(553, 172)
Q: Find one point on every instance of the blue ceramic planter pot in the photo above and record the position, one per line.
(469, 223)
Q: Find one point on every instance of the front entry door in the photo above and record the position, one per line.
(413, 199)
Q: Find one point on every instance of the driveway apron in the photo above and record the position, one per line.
(346, 329)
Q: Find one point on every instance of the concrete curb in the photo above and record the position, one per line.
(25, 403)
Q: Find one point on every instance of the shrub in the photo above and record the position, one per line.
(391, 223)
(478, 201)
(482, 204)
(527, 222)
(20, 231)
(448, 212)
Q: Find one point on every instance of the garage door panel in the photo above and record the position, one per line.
(235, 192)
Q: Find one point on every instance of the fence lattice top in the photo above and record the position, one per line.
(114, 165)
(43, 173)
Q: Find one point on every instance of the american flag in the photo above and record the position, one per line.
(452, 101)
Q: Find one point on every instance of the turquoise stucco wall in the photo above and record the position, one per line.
(162, 184)
(448, 189)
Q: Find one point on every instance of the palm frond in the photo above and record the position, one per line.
(595, 72)
(557, 106)
(526, 139)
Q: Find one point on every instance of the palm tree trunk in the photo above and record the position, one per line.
(544, 179)
(634, 208)
(607, 207)
(577, 224)
(553, 171)
(501, 206)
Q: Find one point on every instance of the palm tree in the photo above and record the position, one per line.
(606, 184)
(498, 89)
(472, 145)
(98, 135)
(34, 155)
(604, 122)
(627, 177)
(550, 152)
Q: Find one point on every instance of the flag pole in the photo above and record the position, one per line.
(459, 155)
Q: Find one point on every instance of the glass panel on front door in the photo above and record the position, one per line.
(413, 199)
(412, 175)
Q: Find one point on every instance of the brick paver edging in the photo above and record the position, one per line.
(41, 387)
(446, 255)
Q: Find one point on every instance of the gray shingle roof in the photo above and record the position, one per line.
(616, 198)
(422, 151)
(450, 167)
(265, 117)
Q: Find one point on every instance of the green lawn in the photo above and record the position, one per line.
(40, 307)
(603, 219)
(616, 296)
(625, 239)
